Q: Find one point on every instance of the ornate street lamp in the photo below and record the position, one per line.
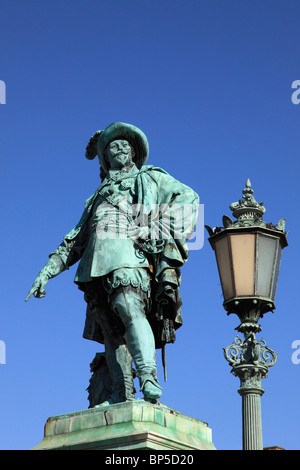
(248, 253)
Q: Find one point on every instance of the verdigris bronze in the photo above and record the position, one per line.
(131, 242)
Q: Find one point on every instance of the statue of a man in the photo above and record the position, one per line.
(131, 243)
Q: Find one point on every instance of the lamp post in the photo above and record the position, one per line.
(248, 254)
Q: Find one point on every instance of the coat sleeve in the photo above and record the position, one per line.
(70, 251)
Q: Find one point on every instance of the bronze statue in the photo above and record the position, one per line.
(131, 242)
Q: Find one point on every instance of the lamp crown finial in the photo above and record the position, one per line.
(247, 210)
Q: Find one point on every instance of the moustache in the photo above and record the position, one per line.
(121, 153)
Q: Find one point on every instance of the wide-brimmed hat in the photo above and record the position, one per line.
(118, 130)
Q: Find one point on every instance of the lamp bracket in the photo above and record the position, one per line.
(250, 360)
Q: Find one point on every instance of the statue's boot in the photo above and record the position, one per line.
(119, 362)
(131, 308)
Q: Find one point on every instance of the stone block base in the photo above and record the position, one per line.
(133, 425)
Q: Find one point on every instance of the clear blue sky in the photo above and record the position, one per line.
(209, 82)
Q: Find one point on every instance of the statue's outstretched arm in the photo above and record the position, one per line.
(67, 254)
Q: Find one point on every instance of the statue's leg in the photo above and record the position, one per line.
(118, 358)
(130, 304)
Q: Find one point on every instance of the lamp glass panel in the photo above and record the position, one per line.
(224, 266)
(243, 259)
(276, 273)
(265, 264)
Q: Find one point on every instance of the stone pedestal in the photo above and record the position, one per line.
(133, 425)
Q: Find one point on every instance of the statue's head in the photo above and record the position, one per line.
(106, 144)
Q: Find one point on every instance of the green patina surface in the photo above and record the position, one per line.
(131, 425)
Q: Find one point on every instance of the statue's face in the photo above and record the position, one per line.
(119, 154)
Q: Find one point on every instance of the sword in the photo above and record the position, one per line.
(163, 357)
